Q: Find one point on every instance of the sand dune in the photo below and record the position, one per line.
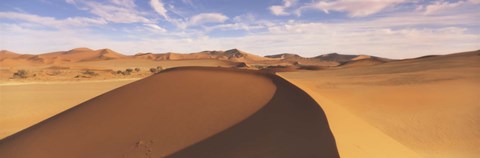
(285, 56)
(428, 105)
(234, 55)
(80, 54)
(367, 61)
(325, 60)
(24, 104)
(61, 57)
(376, 108)
(340, 58)
(4, 54)
(185, 112)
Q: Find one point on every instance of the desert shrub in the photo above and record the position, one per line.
(129, 70)
(156, 70)
(137, 69)
(241, 64)
(89, 72)
(159, 68)
(126, 72)
(119, 71)
(20, 74)
(153, 70)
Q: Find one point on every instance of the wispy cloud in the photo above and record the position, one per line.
(51, 21)
(440, 6)
(184, 22)
(208, 18)
(117, 12)
(354, 8)
(390, 28)
(159, 7)
(156, 28)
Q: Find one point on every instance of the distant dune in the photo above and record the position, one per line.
(11, 59)
(234, 55)
(185, 112)
(5, 54)
(325, 60)
(61, 57)
(107, 64)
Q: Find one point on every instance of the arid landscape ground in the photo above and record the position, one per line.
(101, 103)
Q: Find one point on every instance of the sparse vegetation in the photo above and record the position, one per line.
(20, 74)
(156, 70)
(90, 73)
(128, 71)
(260, 67)
(153, 70)
(54, 73)
(241, 65)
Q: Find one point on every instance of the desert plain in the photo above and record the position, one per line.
(101, 103)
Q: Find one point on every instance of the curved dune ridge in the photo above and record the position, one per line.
(185, 112)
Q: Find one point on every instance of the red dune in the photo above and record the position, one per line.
(185, 112)
(81, 54)
(234, 55)
(363, 62)
(5, 54)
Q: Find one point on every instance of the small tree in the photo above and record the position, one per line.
(20, 74)
(129, 70)
(137, 69)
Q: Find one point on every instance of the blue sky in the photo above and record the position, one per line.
(388, 28)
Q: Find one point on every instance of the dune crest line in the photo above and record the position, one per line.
(181, 112)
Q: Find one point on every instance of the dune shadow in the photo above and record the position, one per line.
(291, 125)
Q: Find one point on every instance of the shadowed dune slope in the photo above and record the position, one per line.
(185, 112)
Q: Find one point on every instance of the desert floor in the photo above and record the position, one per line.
(425, 107)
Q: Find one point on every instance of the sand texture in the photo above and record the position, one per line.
(429, 105)
(185, 112)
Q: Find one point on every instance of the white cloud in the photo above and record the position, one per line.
(208, 18)
(441, 6)
(279, 10)
(183, 23)
(396, 35)
(124, 3)
(53, 22)
(159, 7)
(117, 11)
(308, 39)
(116, 14)
(354, 8)
(155, 28)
